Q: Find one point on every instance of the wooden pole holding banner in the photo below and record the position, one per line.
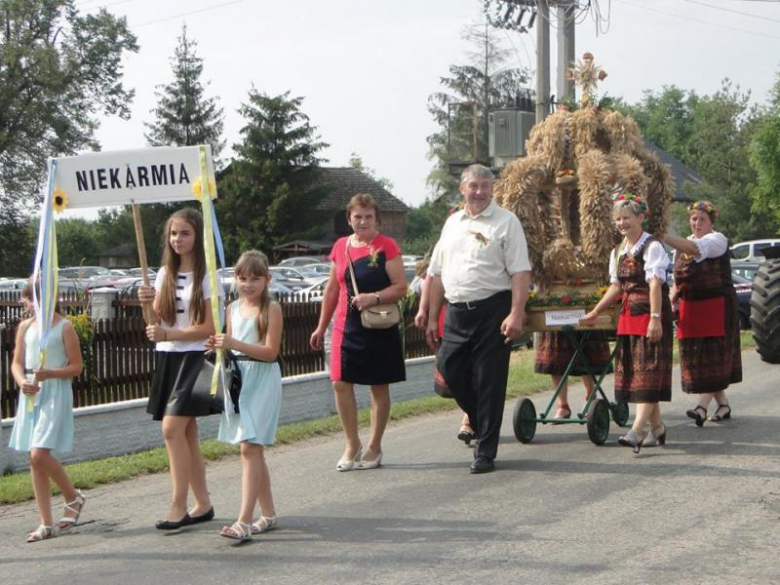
(146, 307)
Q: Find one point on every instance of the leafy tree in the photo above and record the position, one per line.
(666, 118)
(765, 157)
(423, 226)
(76, 242)
(268, 194)
(184, 116)
(471, 91)
(17, 244)
(712, 135)
(58, 71)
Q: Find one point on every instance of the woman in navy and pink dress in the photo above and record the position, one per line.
(373, 357)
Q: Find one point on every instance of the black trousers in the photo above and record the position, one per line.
(474, 361)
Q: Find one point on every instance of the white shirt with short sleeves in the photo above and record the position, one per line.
(183, 284)
(477, 256)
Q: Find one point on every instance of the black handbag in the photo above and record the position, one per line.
(230, 379)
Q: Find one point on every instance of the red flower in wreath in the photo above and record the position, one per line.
(566, 300)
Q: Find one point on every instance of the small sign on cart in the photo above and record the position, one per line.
(565, 317)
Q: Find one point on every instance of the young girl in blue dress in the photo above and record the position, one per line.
(183, 324)
(254, 334)
(48, 426)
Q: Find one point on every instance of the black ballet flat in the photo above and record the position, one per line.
(203, 517)
(467, 434)
(173, 524)
(697, 418)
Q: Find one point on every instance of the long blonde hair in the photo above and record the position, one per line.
(255, 263)
(172, 261)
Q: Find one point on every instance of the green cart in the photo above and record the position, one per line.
(596, 412)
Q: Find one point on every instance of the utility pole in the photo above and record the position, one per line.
(542, 59)
(566, 49)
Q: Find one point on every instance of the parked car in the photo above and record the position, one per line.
(410, 259)
(750, 251)
(321, 267)
(279, 290)
(295, 278)
(300, 261)
(744, 288)
(81, 278)
(745, 269)
(314, 292)
(12, 283)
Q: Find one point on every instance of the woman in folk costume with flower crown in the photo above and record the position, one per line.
(708, 326)
(643, 359)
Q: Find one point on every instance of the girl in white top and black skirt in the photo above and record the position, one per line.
(183, 323)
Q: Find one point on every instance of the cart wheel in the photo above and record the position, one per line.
(620, 413)
(598, 422)
(524, 420)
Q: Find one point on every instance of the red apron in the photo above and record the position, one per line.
(629, 324)
(705, 318)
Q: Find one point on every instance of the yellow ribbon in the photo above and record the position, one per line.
(211, 257)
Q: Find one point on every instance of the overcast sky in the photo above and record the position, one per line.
(366, 68)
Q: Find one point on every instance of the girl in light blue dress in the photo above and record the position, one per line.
(254, 334)
(44, 413)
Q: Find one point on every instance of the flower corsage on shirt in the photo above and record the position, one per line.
(480, 237)
(373, 257)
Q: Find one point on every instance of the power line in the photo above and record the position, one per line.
(742, 30)
(759, 17)
(182, 14)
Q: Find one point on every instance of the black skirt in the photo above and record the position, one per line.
(175, 373)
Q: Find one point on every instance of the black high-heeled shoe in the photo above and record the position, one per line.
(653, 440)
(718, 417)
(694, 414)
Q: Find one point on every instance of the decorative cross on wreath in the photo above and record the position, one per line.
(587, 75)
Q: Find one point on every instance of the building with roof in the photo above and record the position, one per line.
(682, 174)
(344, 182)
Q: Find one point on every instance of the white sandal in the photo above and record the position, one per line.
(238, 531)
(41, 533)
(264, 524)
(68, 522)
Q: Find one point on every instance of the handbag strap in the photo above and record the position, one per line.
(352, 270)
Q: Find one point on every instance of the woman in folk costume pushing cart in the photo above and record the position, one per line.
(643, 360)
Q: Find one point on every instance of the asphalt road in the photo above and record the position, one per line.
(703, 509)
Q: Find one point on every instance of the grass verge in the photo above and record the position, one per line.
(523, 381)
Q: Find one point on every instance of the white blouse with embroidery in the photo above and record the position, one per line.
(655, 257)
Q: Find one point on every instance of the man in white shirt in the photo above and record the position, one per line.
(481, 266)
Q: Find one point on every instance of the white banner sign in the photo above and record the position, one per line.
(566, 317)
(130, 176)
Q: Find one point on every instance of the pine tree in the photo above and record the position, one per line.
(269, 193)
(184, 116)
(471, 92)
